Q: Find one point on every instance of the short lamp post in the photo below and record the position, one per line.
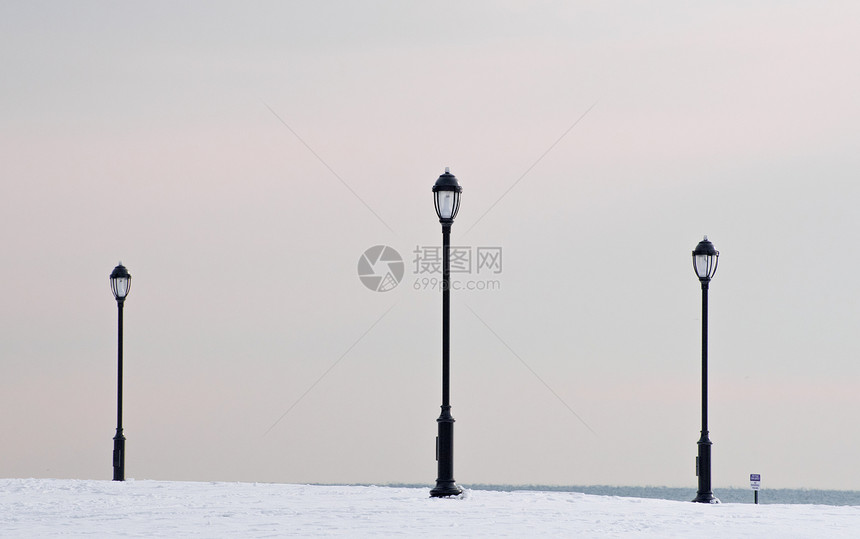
(120, 283)
(705, 259)
(446, 195)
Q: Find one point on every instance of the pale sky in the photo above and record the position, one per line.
(238, 158)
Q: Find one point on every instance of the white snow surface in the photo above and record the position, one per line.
(86, 508)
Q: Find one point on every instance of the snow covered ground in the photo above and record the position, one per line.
(75, 508)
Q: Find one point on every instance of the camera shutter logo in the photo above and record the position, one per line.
(380, 268)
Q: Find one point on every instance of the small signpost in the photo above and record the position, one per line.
(755, 484)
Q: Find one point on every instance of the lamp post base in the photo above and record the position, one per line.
(705, 494)
(119, 457)
(445, 488)
(445, 485)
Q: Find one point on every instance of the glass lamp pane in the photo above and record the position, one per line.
(445, 203)
(120, 287)
(702, 265)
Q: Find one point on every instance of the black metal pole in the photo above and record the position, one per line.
(703, 463)
(119, 439)
(445, 485)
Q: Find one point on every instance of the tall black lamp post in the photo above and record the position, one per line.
(705, 259)
(120, 284)
(446, 194)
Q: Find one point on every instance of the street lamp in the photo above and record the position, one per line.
(120, 284)
(446, 195)
(705, 259)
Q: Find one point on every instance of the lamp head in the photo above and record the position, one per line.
(120, 282)
(446, 195)
(705, 259)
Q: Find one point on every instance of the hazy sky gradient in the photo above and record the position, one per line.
(142, 132)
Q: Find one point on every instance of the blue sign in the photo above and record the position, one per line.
(755, 481)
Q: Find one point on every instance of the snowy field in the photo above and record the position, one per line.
(73, 508)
